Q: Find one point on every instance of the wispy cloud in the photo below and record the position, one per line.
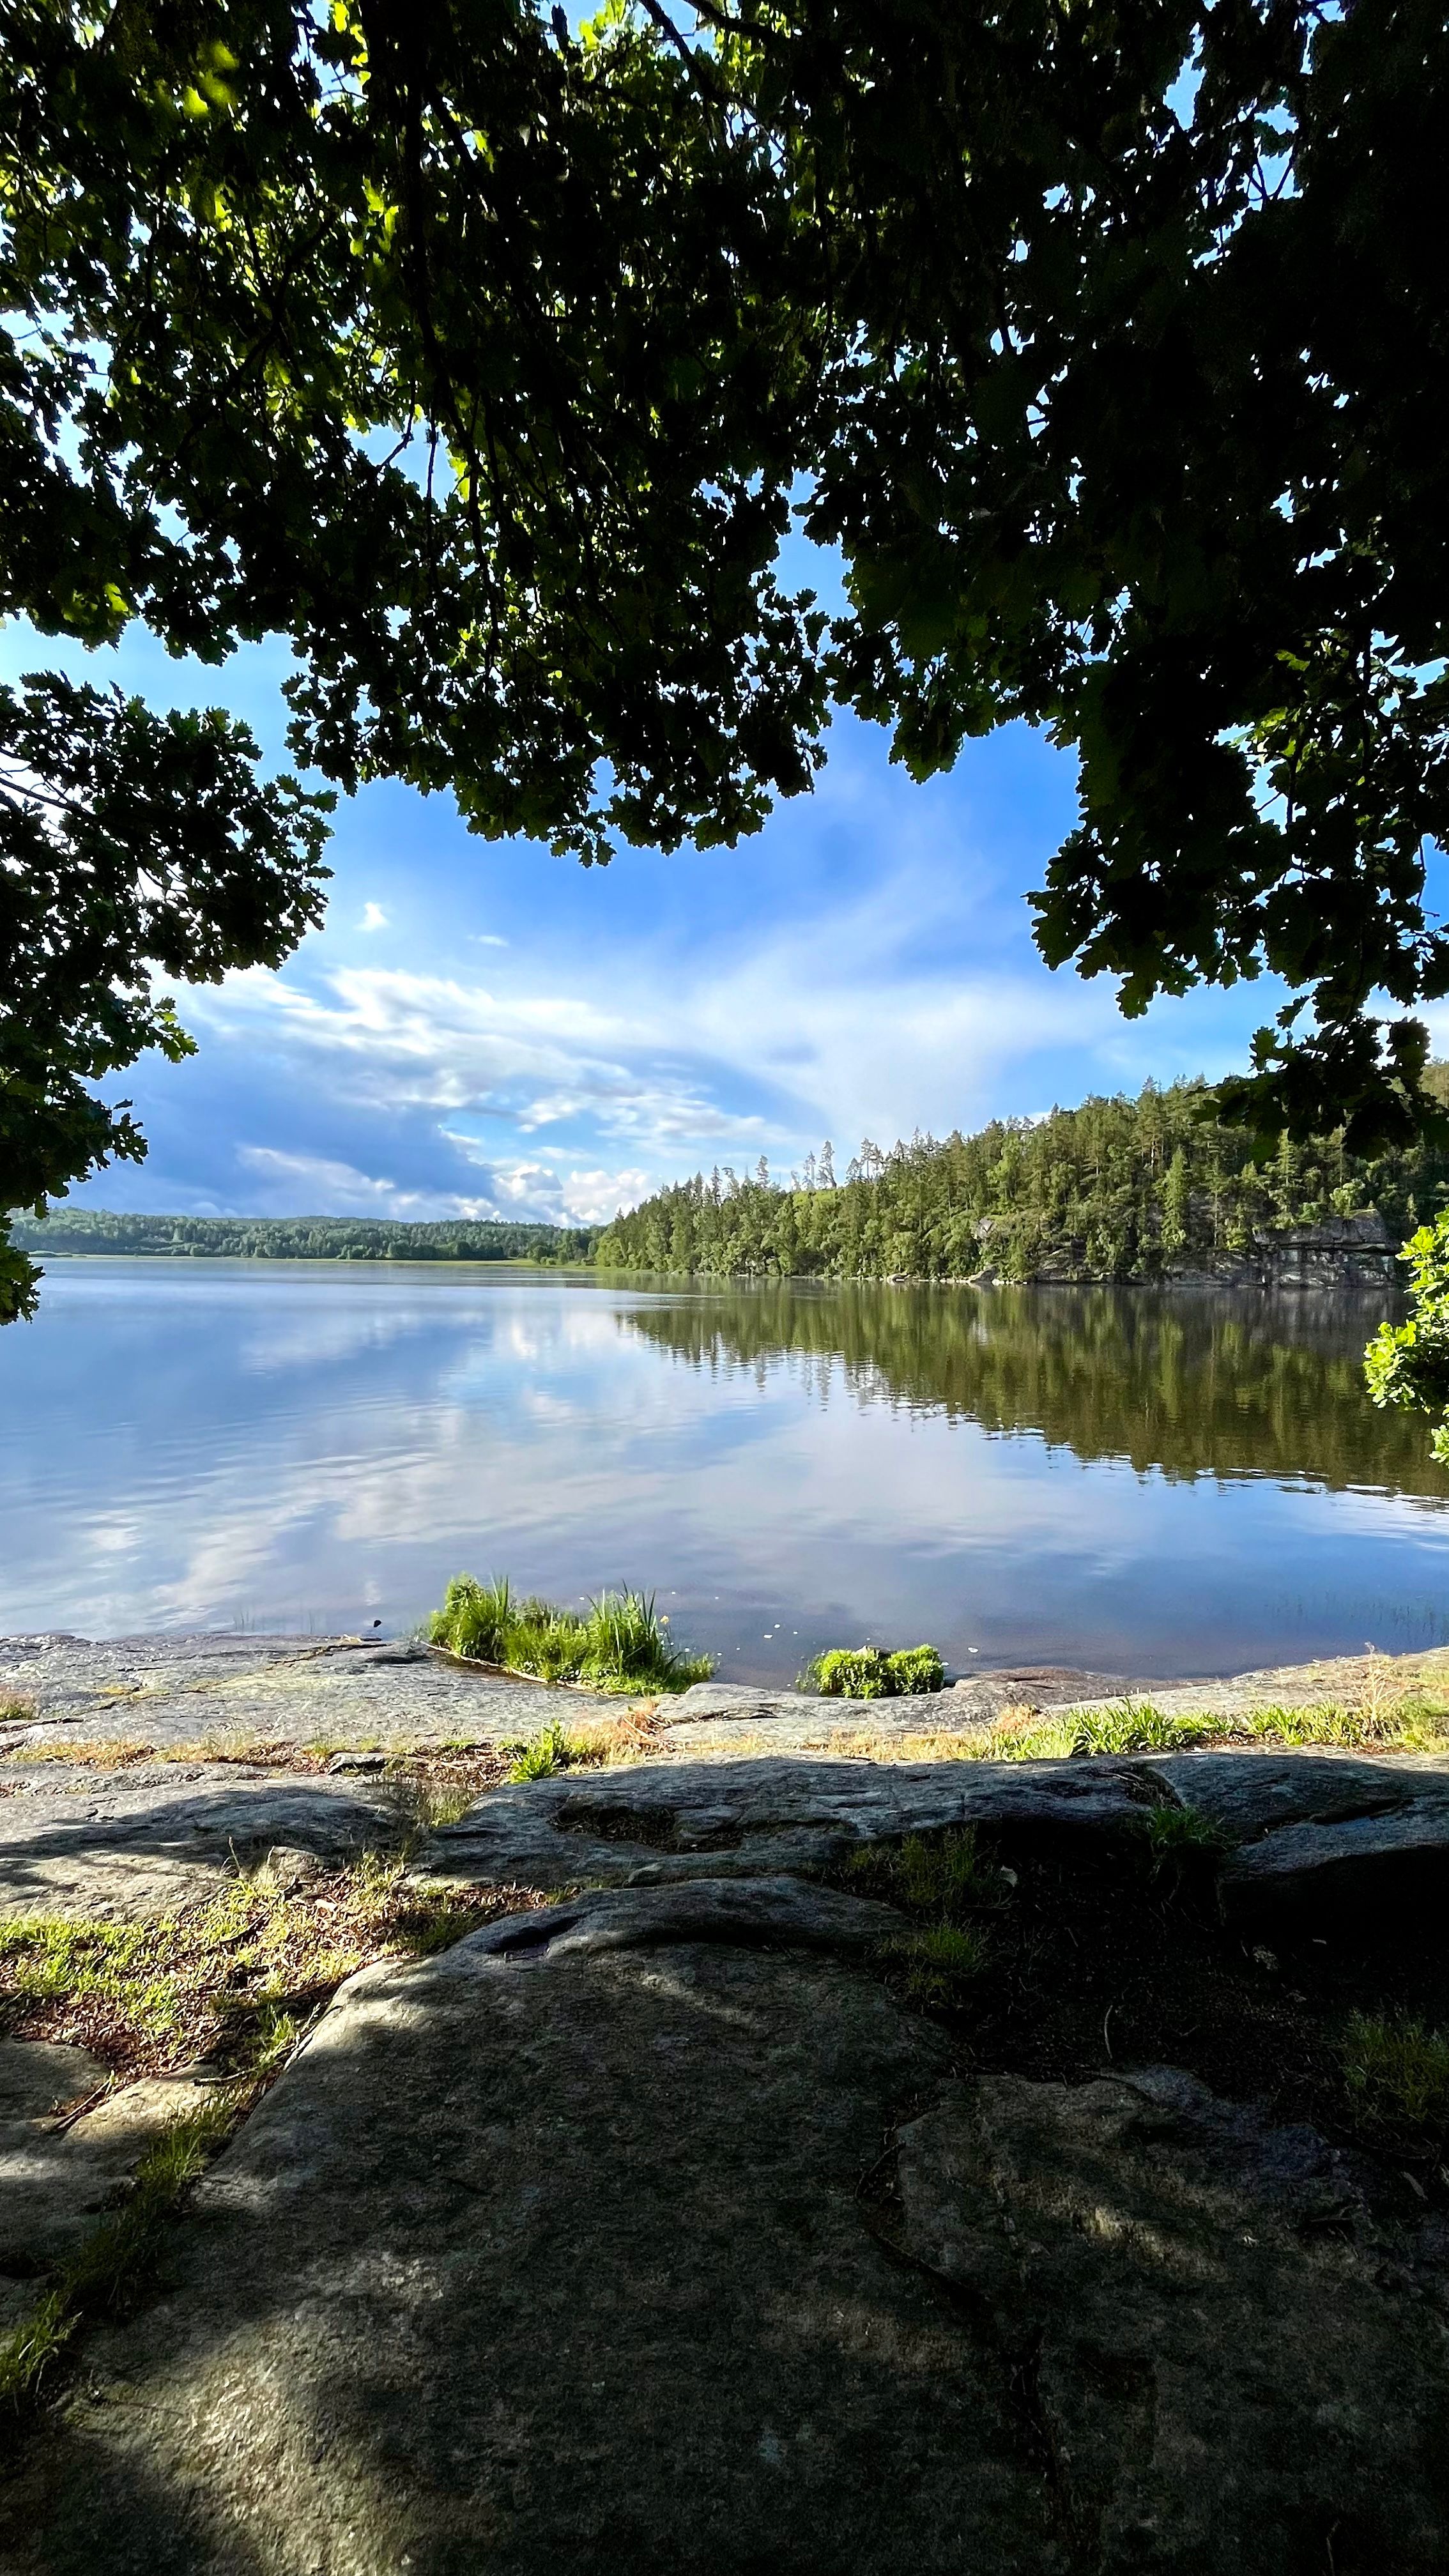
(373, 917)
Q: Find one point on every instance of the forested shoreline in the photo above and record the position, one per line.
(1116, 1189)
(306, 1238)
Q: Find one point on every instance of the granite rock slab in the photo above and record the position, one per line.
(1224, 2366)
(662, 2239)
(678, 1820)
(128, 1846)
(1302, 1829)
(340, 1691)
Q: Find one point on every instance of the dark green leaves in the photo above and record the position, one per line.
(1108, 346)
(129, 843)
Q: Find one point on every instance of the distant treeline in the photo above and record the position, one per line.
(303, 1238)
(1118, 1189)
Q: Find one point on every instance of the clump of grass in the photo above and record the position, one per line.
(940, 1963)
(941, 1874)
(585, 1748)
(548, 1752)
(1131, 1726)
(217, 1980)
(1416, 1723)
(620, 1643)
(1183, 1832)
(31, 2346)
(942, 1880)
(16, 1712)
(1396, 2074)
(473, 1618)
(869, 1672)
(1185, 1848)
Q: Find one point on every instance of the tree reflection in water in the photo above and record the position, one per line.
(1192, 1384)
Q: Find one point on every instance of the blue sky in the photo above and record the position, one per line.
(481, 1028)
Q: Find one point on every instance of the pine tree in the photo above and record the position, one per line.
(1175, 1204)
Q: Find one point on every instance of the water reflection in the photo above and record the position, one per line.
(1189, 1384)
(1135, 1482)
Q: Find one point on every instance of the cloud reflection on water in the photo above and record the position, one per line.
(1100, 1480)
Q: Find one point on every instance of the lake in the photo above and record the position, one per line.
(1168, 1484)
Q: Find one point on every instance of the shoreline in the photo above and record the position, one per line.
(350, 1692)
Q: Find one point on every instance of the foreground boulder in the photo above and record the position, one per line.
(649, 2232)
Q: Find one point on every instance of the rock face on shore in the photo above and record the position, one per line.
(652, 2233)
(1303, 1832)
(661, 2228)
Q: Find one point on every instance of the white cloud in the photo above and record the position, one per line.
(313, 1185)
(373, 917)
(487, 939)
(385, 1040)
(906, 1005)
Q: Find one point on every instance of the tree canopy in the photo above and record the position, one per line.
(488, 361)
(1117, 1189)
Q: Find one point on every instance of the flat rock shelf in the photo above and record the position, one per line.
(681, 2210)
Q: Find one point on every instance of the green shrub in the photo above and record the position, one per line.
(916, 1669)
(868, 1672)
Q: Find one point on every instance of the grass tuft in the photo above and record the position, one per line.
(869, 1672)
(940, 1962)
(30, 2347)
(621, 1642)
(1182, 1832)
(943, 1874)
(1134, 1726)
(1396, 2072)
(550, 1751)
(943, 1880)
(16, 1712)
(119, 2254)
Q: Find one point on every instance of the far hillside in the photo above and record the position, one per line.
(302, 1238)
(1118, 1189)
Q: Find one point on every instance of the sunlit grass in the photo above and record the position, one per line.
(1416, 1721)
(215, 1980)
(620, 1642)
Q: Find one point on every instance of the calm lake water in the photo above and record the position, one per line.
(1107, 1477)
